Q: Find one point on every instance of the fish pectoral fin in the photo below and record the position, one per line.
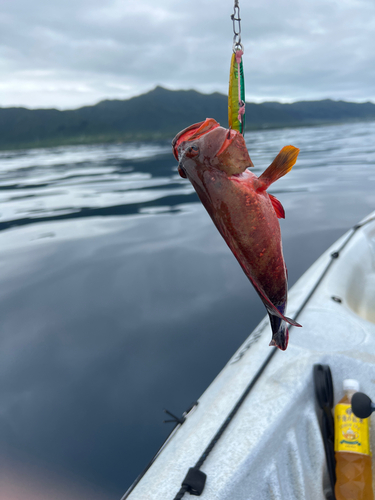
(279, 209)
(271, 308)
(280, 166)
(291, 321)
(275, 312)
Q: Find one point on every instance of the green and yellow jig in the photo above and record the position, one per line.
(236, 94)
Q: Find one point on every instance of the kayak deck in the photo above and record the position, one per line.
(272, 448)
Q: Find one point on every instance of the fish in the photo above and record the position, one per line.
(216, 162)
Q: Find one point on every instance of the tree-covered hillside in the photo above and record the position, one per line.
(159, 114)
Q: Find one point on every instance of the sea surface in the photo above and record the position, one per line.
(118, 297)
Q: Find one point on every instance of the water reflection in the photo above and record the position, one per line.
(119, 298)
(86, 181)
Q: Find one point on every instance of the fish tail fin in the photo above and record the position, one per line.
(280, 166)
(280, 333)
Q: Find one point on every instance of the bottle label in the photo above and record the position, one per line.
(351, 433)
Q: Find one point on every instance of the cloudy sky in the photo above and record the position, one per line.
(70, 53)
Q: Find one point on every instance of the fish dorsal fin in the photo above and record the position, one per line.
(279, 209)
(280, 166)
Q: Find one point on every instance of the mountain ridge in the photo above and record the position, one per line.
(159, 114)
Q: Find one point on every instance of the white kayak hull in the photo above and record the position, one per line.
(272, 448)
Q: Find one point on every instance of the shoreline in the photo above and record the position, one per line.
(157, 137)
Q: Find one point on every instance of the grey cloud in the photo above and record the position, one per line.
(293, 50)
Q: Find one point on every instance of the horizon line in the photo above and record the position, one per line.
(369, 101)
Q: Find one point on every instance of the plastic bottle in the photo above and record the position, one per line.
(352, 450)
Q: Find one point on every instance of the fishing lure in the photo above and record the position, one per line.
(236, 94)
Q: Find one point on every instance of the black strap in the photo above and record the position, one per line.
(194, 481)
(324, 396)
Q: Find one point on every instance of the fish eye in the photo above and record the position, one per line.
(192, 151)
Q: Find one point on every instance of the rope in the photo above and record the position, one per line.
(235, 409)
(181, 493)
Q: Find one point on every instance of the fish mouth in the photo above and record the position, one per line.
(280, 333)
(193, 132)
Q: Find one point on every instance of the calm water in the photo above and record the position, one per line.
(118, 297)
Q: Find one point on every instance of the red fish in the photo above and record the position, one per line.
(216, 162)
